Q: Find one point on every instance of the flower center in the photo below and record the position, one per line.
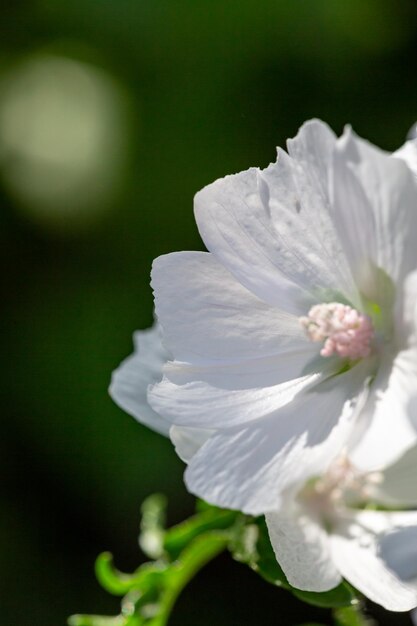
(341, 486)
(344, 330)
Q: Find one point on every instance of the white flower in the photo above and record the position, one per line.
(297, 329)
(129, 388)
(319, 534)
(324, 533)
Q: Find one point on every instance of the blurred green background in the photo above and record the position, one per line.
(113, 113)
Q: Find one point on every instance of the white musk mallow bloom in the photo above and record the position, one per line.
(324, 532)
(296, 331)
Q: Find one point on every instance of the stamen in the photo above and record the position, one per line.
(343, 482)
(340, 487)
(344, 330)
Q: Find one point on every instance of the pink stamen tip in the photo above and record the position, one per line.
(343, 330)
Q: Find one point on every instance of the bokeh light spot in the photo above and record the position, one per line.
(64, 128)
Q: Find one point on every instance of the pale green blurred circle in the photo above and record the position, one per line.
(64, 128)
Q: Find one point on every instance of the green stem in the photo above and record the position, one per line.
(202, 550)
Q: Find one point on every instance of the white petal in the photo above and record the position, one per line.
(399, 486)
(363, 551)
(406, 312)
(188, 441)
(200, 404)
(208, 317)
(355, 222)
(312, 153)
(408, 153)
(382, 522)
(131, 379)
(264, 227)
(412, 133)
(235, 226)
(286, 369)
(398, 546)
(374, 198)
(313, 149)
(302, 548)
(248, 469)
(389, 418)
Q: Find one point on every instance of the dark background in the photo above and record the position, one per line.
(113, 113)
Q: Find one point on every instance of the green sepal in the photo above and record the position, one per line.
(250, 544)
(266, 564)
(341, 596)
